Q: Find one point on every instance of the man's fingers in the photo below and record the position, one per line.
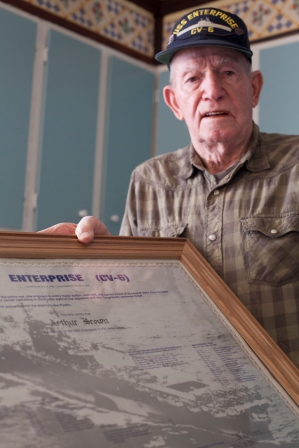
(64, 228)
(85, 231)
(88, 227)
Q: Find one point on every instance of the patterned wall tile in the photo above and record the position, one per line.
(290, 9)
(118, 20)
(258, 18)
(67, 6)
(133, 27)
(99, 14)
(49, 5)
(264, 18)
(80, 16)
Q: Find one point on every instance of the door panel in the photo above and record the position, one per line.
(129, 134)
(69, 130)
(279, 104)
(17, 49)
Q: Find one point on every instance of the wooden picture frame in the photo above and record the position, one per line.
(28, 246)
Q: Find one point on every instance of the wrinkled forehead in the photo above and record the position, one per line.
(200, 55)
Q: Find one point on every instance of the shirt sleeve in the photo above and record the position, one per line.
(129, 222)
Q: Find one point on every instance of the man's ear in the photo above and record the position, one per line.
(170, 100)
(257, 84)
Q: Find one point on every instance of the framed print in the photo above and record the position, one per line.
(133, 342)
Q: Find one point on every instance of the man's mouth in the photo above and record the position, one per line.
(216, 113)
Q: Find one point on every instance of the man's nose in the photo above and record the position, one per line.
(212, 87)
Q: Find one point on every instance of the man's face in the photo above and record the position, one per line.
(213, 90)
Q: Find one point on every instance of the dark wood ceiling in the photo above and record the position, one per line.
(163, 7)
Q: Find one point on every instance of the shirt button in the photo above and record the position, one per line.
(274, 231)
(216, 192)
(212, 237)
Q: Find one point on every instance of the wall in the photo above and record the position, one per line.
(68, 119)
(171, 133)
(124, 23)
(279, 104)
(16, 73)
(115, 21)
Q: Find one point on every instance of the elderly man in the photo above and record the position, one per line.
(233, 191)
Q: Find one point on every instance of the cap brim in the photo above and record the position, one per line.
(166, 55)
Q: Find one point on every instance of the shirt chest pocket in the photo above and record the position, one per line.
(271, 248)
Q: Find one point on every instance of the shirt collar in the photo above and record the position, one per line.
(255, 158)
(186, 163)
(257, 155)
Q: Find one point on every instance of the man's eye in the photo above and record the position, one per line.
(192, 79)
(229, 73)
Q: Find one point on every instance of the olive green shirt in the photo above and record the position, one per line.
(246, 226)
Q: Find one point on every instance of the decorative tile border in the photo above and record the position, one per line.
(264, 18)
(133, 27)
(117, 20)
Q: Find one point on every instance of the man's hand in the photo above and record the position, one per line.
(85, 230)
(88, 227)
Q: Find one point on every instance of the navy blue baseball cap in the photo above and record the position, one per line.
(206, 27)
